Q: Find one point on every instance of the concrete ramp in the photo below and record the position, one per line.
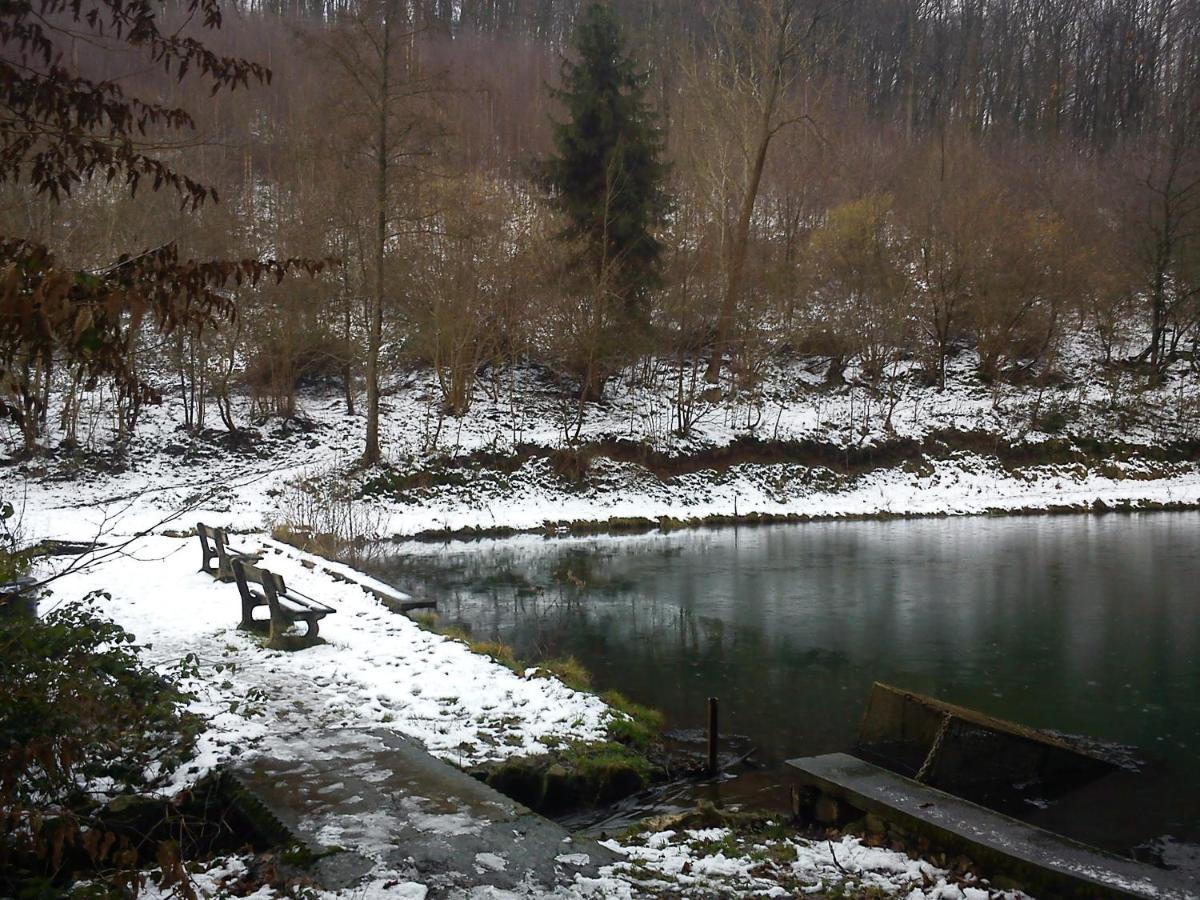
(1043, 864)
(368, 799)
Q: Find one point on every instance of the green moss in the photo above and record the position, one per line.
(730, 845)
(612, 770)
(572, 775)
(639, 726)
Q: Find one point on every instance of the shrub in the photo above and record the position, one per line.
(82, 720)
(318, 513)
(13, 561)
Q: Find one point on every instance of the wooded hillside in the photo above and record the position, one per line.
(878, 184)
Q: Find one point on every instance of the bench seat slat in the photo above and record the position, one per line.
(307, 602)
(302, 607)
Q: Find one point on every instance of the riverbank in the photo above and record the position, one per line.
(518, 462)
(375, 668)
(378, 673)
(794, 451)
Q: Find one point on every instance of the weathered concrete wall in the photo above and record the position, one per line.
(966, 752)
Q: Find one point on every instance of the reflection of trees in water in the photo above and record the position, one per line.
(1075, 623)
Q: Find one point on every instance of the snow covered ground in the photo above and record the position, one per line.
(493, 469)
(696, 863)
(377, 668)
(716, 862)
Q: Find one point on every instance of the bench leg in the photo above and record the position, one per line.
(206, 566)
(248, 621)
(277, 637)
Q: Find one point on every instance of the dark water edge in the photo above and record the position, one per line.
(1086, 624)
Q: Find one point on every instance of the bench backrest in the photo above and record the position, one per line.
(217, 551)
(252, 574)
(246, 574)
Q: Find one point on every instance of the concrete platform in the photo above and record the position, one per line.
(968, 753)
(1045, 865)
(381, 801)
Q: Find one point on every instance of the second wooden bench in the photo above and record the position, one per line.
(286, 608)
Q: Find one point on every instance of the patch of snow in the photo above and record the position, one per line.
(376, 669)
(491, 861)
(573, 859)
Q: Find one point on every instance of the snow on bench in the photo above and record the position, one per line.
(285, 608)
(1043, 863)
(393, 599)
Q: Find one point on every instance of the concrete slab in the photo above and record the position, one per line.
(1045, 865)
(383, 801)
(968, 753)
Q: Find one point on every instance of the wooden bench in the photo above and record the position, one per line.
(286, 608)
(398, 601)
(215, 547)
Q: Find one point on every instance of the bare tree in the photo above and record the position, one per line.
(374, 49)
(750, 89)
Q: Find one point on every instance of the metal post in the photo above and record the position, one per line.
(713, 735)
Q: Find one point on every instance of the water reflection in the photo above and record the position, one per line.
(1081, 624)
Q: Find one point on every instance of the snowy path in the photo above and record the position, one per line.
(377, 668)
(387, 806)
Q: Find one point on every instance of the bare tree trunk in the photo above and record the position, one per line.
(375, 314)
(771, 54)
(741, 243)
(347, 364)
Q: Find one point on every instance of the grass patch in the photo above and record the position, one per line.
(500, 652)
(572, 775)
(611, 770)
(570, 672)
(639, 727)
(426, 618)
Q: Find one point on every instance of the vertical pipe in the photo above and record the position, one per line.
(713, 733)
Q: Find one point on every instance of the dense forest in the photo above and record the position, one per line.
(879, 185)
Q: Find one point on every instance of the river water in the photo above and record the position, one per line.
(1085, 624)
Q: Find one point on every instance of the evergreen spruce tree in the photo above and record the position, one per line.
(607, 175)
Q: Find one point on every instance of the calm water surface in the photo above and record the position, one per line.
(1088, 625)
